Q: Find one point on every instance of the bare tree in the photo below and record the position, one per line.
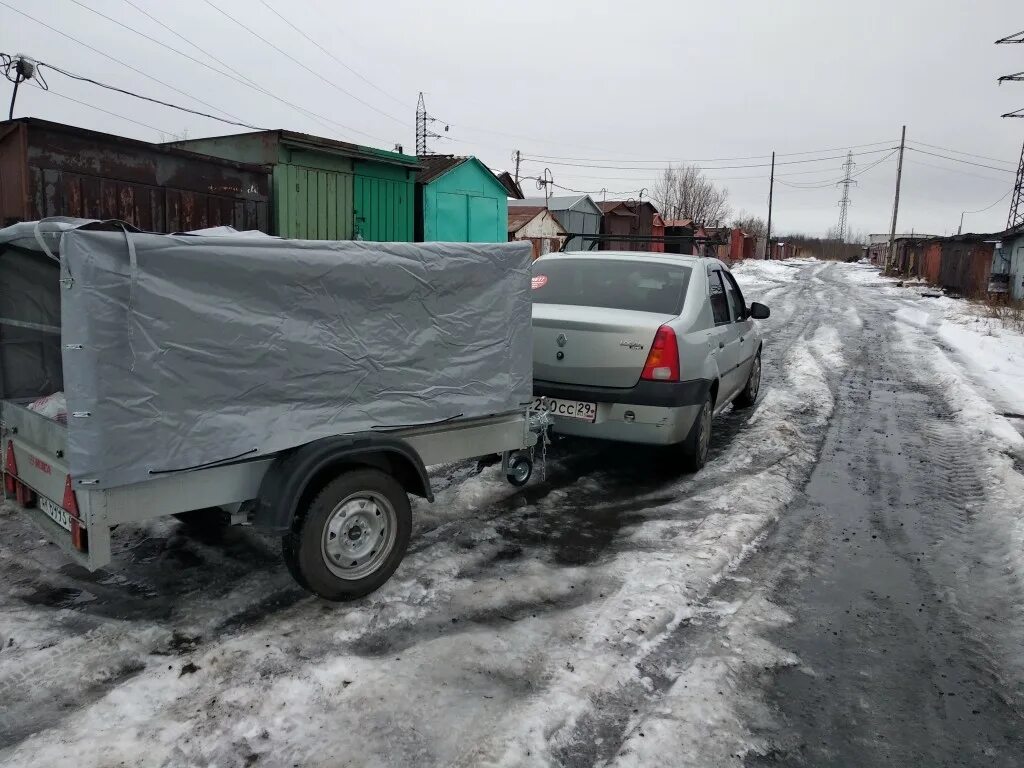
(683, 192)
(751, 224)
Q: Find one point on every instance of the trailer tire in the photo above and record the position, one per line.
(352, 536)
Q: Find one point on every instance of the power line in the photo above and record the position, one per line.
(312, 71)
(959, 152)
(242, 79)
(720, 159)
(758, 176)
(127, 66)
(104, 111)
(958, 160)
(721, 167)
(331, 55)
(146, 98)
(954, 170)
(185, 40)
(833, 182)
(993, 205)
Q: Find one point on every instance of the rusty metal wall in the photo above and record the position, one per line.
(13, 193)
(69, 171)
(965, 267)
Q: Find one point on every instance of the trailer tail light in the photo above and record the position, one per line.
(663, 359)
(10, 470)
(79, 535)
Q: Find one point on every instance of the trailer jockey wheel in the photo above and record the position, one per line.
(520, 469)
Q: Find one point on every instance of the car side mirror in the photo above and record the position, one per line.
(759, 311)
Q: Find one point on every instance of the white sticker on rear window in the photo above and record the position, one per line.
(538, 281)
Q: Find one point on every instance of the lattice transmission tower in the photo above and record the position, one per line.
(844, 201)
(1016, 215)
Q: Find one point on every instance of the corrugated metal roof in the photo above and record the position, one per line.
(521, 215)
(558, 203)
(322, 143)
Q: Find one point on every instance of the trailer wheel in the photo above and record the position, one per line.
(352, 537)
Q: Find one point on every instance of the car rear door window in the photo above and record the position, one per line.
(739, 311)
(719, 303)
(642, 286)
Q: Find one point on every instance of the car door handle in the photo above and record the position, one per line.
(721, 345)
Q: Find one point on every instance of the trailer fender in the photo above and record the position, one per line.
(298, 475)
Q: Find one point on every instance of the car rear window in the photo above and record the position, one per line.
(616, 284)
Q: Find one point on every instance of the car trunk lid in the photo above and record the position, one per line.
(599, 346)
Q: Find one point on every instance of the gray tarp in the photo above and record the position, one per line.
(30, 364)
(204, 349)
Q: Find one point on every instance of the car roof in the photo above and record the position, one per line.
(670, 258)
(647, 256)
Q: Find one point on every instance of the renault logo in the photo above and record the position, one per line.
(561, 340)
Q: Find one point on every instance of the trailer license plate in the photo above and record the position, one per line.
(56, 513)
(571, 409)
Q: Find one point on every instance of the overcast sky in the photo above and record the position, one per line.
(588, 84)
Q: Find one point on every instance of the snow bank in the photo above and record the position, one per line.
(992, 353)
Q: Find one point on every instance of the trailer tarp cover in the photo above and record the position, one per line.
(196, 350)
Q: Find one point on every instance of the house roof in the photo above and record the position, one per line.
(560, 203)
(679, 222)
(321, 143)
(435, 166)
(514, 190)
(630, 206)
(521, 215)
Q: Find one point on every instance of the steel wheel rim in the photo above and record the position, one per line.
(521, 471)
(704, 436)
(755, 378)
(358, 535)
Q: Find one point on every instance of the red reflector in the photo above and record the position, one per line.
(663, 359)
(70, 503)
(79, 535)
(10, 469)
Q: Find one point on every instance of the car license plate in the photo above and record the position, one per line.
(56, 513)
(571, 409)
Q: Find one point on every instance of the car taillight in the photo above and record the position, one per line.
(10, 469)
(663, 359)
(79, 535)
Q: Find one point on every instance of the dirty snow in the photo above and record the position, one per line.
(521, 629)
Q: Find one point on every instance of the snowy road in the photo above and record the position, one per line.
(840, 586)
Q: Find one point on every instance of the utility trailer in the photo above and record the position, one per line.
(337, 493)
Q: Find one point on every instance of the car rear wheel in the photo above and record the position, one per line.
(695, 447)
(748, 395)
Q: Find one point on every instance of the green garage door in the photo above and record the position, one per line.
(483, 219)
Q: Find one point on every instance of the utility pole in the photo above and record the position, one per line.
(518, 160)
(891, 253)
(844, 201)
(18, 71)
(771, 191)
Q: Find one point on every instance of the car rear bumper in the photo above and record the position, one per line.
(662, 394)
(651, 413)
(627, 423)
